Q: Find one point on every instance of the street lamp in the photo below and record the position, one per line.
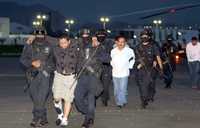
(104, 20)
(36, 23)
(69, 22)
(157, 22)
(41, 18)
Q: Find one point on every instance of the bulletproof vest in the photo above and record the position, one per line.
(147, 54)
(88, 52)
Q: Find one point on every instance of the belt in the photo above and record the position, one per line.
(68, 74)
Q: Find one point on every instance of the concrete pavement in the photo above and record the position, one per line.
(175, 108)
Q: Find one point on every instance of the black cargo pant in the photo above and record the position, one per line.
(168, 75)
(39, 92)
(85, 94)
(106, 79)
(146, 81)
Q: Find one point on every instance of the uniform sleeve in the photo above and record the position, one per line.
(111, 56)
(132, 59)
(26, 57)
(104, 56)
(137, 62)
(51, 65)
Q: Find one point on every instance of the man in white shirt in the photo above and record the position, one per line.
(122, 60)
(193, 56)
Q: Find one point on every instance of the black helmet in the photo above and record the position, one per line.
(101, 35)
(170, 38)
(147, 32)
(40, 32)
(85, 33)
(146, 35)
(101, 32)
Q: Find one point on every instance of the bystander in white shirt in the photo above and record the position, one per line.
(193, 52)
(121, 61)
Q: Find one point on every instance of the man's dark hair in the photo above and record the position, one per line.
(120, 36)
(194, 38)
(64, 37)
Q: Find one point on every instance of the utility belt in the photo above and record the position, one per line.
(68, 74)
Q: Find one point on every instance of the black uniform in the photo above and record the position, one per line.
(89, 85)
(169, 65)
(106, 77)
(146, 76)
(38, 78)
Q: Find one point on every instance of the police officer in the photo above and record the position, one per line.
(88, 85)
(147, 58)
(37, 60)
(106, 77)
(168, 52)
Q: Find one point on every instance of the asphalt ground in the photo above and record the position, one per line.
(178, 107)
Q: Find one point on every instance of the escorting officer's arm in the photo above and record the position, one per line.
(111, 55)
(104, 56)
(132, 59)
(158, 58)
(50, 68)
(26, 57)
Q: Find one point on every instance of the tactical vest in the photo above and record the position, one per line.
(147, 53)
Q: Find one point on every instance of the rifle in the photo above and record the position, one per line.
(84, 67)
(142, 62)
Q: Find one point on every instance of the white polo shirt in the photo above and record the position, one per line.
(122, 61)
(193, 52)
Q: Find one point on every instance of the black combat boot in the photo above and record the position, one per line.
(144, 103)
(36, 124)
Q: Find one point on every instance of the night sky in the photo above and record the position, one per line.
(91, 10)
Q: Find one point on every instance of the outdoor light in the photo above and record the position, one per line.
(109, 31)
(66, 30)
(157, 22)
(36, 23)
(41, 17)
(69, 22)
(179, 33)
(44, 17)
(104, 20)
